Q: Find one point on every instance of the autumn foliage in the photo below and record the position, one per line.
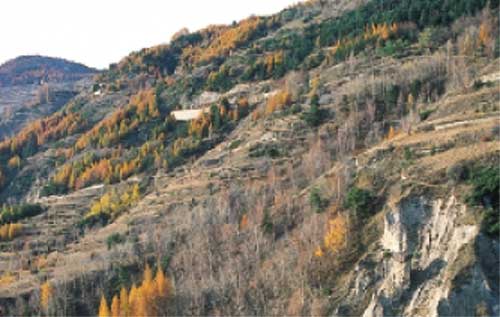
(148, 299)
(335, 237)
(141, 108)
(224, 40)
(111, 204)
(10, 231)
(278, 101)
(46, 294)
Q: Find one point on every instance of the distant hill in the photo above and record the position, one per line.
(34, 69)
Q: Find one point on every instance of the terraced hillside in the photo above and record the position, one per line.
(346, 163)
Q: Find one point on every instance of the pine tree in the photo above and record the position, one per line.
(115, 307)
(103, 308)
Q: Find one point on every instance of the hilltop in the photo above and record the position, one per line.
(32, 87)
(35, 69)
(336, 158)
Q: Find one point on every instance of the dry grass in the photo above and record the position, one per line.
(443, 160)
(446, 135)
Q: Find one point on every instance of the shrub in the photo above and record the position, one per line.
(424, 114)
(456, 172)
(114, 239)
(318, 204)
(267, 223)
(234, 144)
(478, 84)
(408, 154)
(269, 150)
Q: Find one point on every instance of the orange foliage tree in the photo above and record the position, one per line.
(46, 293)
(103, 308)
(278, 101)
(149, 299)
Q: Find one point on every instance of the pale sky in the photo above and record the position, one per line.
(100, 32)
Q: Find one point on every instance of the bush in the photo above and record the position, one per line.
(269, 150)
(408, 154)
(478, 84)
(114, 239)
(234, 144)
(267, 223)
(456, 173)
(424, 114)
(295, 108)
(318, 204)
(360, 201)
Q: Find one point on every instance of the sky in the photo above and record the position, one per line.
(100, 32)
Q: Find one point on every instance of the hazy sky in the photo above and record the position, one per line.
(100, 32)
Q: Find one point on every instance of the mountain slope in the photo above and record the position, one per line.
(342, 159)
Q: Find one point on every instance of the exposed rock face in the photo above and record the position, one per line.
(425, 250)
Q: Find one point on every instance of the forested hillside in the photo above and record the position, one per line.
(344, 161)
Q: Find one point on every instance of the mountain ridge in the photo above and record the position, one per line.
(34, 69)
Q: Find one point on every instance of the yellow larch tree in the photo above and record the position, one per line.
(103, 308)
(335, 238)
(14, 229)
(46, 292)
(132, 300)
(141, 304)
(136, 194)
(163, 285)
(148, 286)
(124, 304)
(115, 307)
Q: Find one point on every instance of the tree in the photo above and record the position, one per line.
(314, 116)
(334, 239)
(316, 201)
(103, 308)
(46, 293)
(136, 194)
(215, 117)
(132, 300)
(124, 304)
(141, 304)
(360, 201)
(148, 287)
(14, 162)
(391, 134)
(14, 230)
(162, 284)
(115, 307)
